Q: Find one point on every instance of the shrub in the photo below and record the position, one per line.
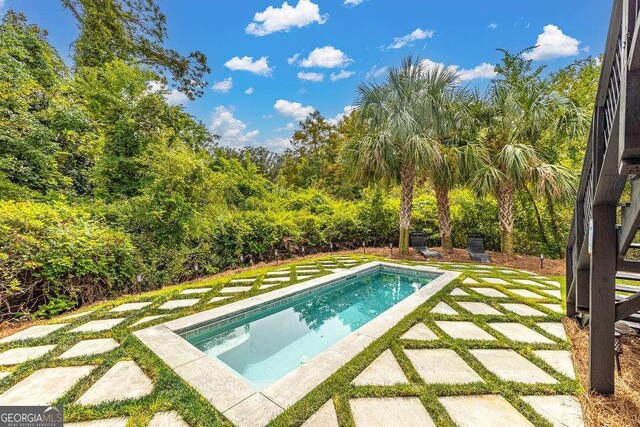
(54, 257)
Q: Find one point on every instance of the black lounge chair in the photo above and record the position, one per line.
(475, 247)
(418, 241)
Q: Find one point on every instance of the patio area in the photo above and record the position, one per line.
(488, 349)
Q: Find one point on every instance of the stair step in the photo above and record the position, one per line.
(634, 245)
(627, 276)
(626, 288)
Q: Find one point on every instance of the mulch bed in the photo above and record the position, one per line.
(622, 409)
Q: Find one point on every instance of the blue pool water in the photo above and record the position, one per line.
(265, 347)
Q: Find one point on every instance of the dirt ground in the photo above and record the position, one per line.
(551, 267)
(623, 409)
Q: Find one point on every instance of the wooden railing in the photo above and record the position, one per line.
(598, 244)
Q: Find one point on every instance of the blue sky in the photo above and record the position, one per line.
(347, 41)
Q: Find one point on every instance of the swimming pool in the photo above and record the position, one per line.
(255, 357)
(266, 346)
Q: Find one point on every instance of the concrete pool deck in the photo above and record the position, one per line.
(235, 398)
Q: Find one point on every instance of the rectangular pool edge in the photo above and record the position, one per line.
(236, 399)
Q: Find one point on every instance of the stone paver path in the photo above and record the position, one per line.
(553, 328)
(457, 292)
(194, 291)
(560, 360)
(44, 386)
(248, 280)
(519, 333)
(510, 366)
(111, 422)
(131, 306)
(525, 293)
(23, 354)
(390, 411)
(178, 303)
(325, 417)
(442, 366)
(217, 299)
(479, 308)
(385, 370)
(483, 411)
(148, 319)
(443, 308)
(490, 292)
(420, 332)
(90, 347)
(75, 316)
(125, 380)
(37, 331)
(464, 331)
(98, 325)
(235, 289)
(561, 411)
(553, 307)
(522, 309)
(167, 419)
(495, 281)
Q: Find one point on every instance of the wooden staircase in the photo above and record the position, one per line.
(602, 242)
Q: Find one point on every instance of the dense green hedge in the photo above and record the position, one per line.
(53, 257)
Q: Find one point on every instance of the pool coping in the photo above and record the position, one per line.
(235, 398)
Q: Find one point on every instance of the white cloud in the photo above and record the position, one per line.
(411, 38)
(311, 77)
(343, 74)
(375, 72)
(277, 144)
(345, 112)
(492, 26)
(352, 2)
(249, 91)
(274, 19)
(172, 97)
(223, 86)
(482, 71)
(553, 43)
(231, 130)
(246, 63)
(293, 59)
(326, 57)
(288, 126)
(293, 109)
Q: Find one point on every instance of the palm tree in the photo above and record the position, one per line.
(399, 116)
(510, 121)
(443, 170)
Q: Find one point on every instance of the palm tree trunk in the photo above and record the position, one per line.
(505, 216)
(554, 225)
(406, 203)
(543, 234)
(444, 217)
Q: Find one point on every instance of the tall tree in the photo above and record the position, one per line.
(133, 30)
(399, 116)
(519, 110)
(443, 170)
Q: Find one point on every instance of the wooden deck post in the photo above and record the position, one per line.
(602, 300)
